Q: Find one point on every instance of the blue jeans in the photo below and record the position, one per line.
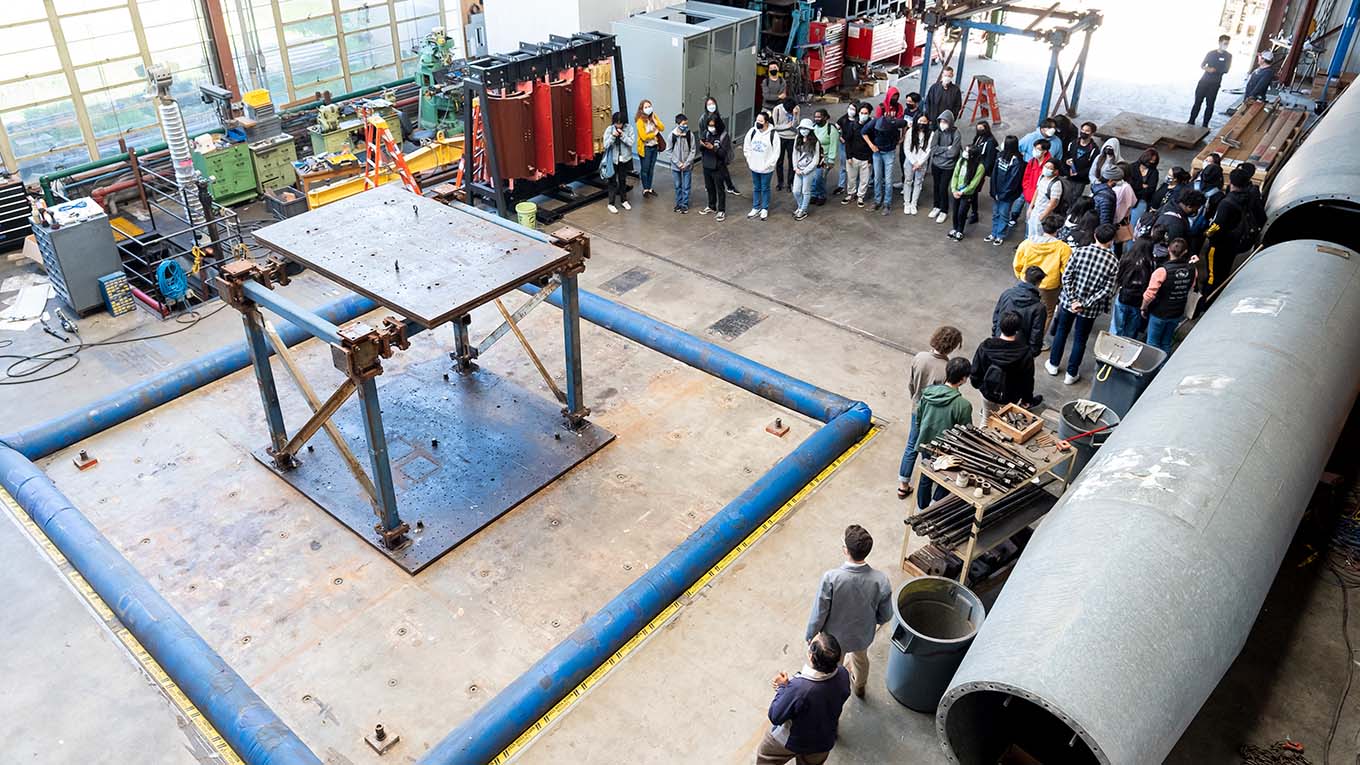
(648, 167)
(1161, 332)
(1137, 212)
(802, 189)
(1065, 321)
(1125, 320)
(927, 492)
(1002, 212)
(909, 456)
(819, 183)
(682, 179)
(840, 180)
(883, 162)
(760, 190)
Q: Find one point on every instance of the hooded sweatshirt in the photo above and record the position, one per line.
(891, 105)
(684, 148)
(1003, 370)
(941, 408)
(1007, 177)
(1047, 253)
(963, 184)
(1023, 299)
(805, 160)
(1099, 163)
(947, 143)
(761, 148)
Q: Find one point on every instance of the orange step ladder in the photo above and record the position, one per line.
(377, 141)
(982, 92)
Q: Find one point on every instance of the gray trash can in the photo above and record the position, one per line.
(934, 621)
(1124, 368)
(1070, 424)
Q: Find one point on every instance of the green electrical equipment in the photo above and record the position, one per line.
(441, 86)
(230, 169)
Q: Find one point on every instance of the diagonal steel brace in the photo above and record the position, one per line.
(519, 314)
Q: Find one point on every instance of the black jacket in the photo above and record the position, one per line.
(941, 99)
(987, 149)
(1081, 157)
(1143, 181)
(855, 145)
(1022, 298)
(1135, 270)
(1172, 218)
(720, 154)
(1003, 371)
(1165, 194)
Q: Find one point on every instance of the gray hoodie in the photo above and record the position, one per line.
(683, 149)
(947, 144)
(804, 161)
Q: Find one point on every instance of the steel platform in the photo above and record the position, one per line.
(424, 260)
(498, 444)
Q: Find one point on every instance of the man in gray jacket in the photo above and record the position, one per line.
(852, 601)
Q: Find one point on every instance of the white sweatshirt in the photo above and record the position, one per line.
(761, 150)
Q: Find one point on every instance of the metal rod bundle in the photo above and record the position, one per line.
(977, 450)
(949, 522)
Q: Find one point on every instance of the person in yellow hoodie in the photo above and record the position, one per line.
(1049, 253)
(649, 144)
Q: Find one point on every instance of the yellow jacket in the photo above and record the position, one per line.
(645, 133)
(1049, 254)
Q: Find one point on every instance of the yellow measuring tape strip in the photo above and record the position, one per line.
(149, 664)
(672, 610)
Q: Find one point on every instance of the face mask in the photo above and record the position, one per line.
(647, 110)
(774, 73)
(1086, 137)
(947, 80)
(712, 108)
(760, 124)
(980, 131)
(803, 131)
(819, 122)
(683, 128)
(1048, 132)
(944, 125)
(1047, 171)
(850, 110)
(1222, 47)
(863, 118)
(911, 106)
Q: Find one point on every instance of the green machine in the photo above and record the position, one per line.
(273, 161)
(230, 169)
(441, 90)
(335, 131)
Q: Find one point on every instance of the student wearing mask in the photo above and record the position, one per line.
(807, 159)
(882, 134)
(649, 144)
(858, 157)
(1034, 168)
(1216, 63)
(963, 185)
(1227, 235)
(891, 107)
(1142, 180)
(1087, 286)
(911, 106)
(1007, 199)
(1048, 192)
(943, 157)
(1175, 218)
(1124, 200)
(944, 96)
(1048, 131)
(1168, 291)
(711, 110)
(775, 87)
(1103, 196)
(984, 144)
(1051, 255)
(1081, 154)
(1131, 281)
(911, 110)
(715, 147)
(1258, 84)
(1067, 131)
(927, 369)
(1176, 181)
(683, 151)
(844, 124)
(915, 158)
(617, 161)
(761, 148)
(785, 116)
(830, 139)
(1109, 155)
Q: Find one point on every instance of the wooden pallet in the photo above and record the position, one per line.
(1260, 133)
(1141, 130)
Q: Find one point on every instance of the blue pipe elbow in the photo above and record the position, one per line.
(513, 710)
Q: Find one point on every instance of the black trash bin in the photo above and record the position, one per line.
(1071, 423)
(934, 621)
(1124, 368)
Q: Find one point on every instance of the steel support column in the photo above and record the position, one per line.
(1081, 74)
(264, 376)
(575, 411)
(1048, 85)
(925, 61)
(958, 71)
(463, 352)
(388, 521)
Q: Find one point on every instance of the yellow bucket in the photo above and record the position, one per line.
(527, 212)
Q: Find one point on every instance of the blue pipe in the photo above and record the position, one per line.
(62, 431)
(533, 693)
(1343, 46)
(241, 717)
(770, 384)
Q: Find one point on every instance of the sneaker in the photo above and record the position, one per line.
(799, 214)
(1070, 379)
(933, 212)
(997, 242)
(722, 216)
(839, 190)
(764, 214)
(1010, 224)
(906, 209)
(627, 206)
(915, 210)
(885, 211)
(846, 200)
(734, 191)
(613, 209)
(1049, 368)
(676, 208)
(684, 211)
(706, 211)
(754, 212)
(988, 239)
(859, 203)
(941, 217)
(878, 206)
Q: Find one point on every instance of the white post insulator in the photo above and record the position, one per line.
(177, 140)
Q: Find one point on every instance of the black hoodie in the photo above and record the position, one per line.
(1023, 298)
(1003, 371)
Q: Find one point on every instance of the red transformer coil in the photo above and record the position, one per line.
(584, 140)
(564, 120)
(545, 158)
(512, 129)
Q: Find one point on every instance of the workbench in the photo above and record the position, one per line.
(1047, 462)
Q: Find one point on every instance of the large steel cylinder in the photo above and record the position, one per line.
(1142, 584)
(1318, 188)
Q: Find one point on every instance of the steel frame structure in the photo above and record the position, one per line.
(358, 348)
(1084, 22)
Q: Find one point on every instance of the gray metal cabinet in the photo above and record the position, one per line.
(679, 55)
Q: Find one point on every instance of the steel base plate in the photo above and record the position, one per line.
(498, 444)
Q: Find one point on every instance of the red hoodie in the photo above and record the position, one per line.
(891, 105)
(1030, 182)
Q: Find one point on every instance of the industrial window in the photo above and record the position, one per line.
(73, 77)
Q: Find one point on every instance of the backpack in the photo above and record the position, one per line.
(1061, 207)
(993, 386)
(1149, 219)
(1200, 222)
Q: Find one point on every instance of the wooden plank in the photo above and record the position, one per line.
(1142, 130)
(1289, 130)
(1231, 135)
(1281, 126)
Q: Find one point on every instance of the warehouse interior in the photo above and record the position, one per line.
(262, 506)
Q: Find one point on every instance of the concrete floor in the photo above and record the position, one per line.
(337, 639)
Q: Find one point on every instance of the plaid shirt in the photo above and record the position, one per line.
(1089, 280)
